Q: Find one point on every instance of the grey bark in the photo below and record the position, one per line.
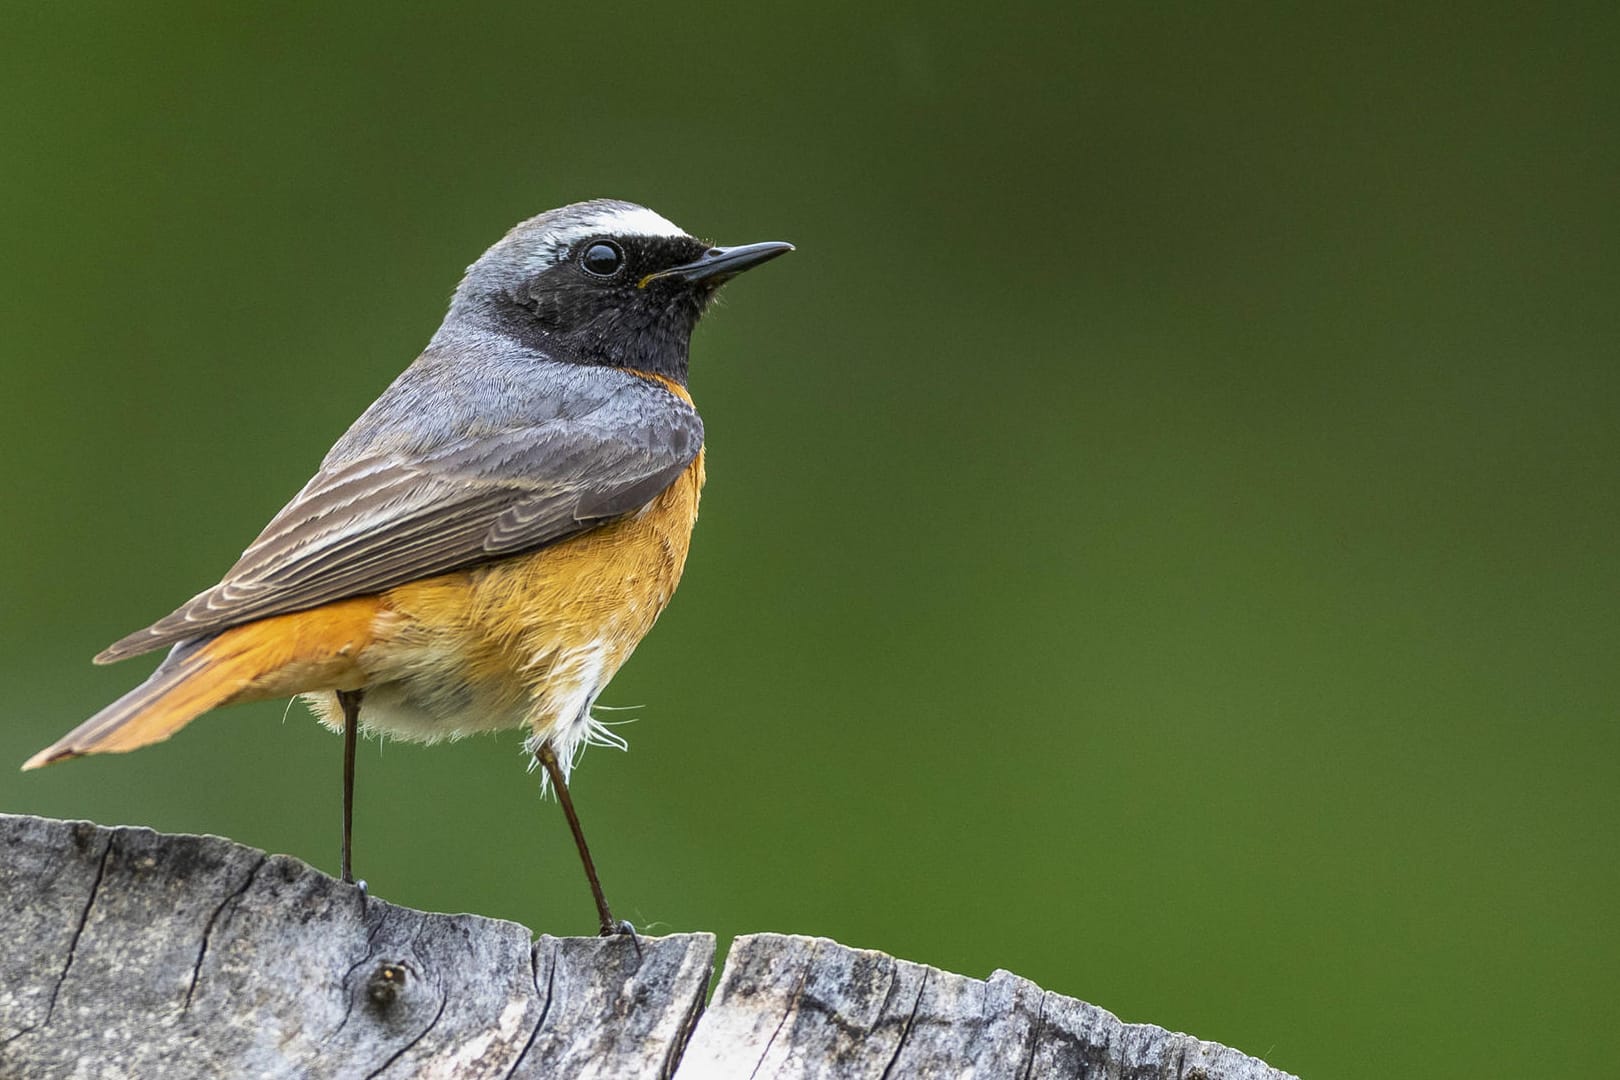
(125, 953)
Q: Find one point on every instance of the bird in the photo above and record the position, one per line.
(489, 541)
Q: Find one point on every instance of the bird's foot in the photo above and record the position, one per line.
(622, 928)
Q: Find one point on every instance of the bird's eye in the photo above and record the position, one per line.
(602, 258)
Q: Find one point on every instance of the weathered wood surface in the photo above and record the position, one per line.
(809, 1007)
(125, 953)
(130, 954)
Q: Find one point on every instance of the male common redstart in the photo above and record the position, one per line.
(489, 541)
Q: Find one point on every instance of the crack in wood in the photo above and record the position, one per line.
(348, 990)
(73, 945)
(688, 1024)
(1035, 1038)
(905, 1029)
(402, 1051)
(545, 1008)
(787, 1013)
(208, 929)
(438, 988)
(78, 932)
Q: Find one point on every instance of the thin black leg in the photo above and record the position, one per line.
(548, 758)
(350, 702)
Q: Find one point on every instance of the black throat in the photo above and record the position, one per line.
(657, 342)
(622, 323)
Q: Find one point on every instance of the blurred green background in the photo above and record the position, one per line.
(1160, 531)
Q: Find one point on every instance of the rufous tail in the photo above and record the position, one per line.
(244, 663)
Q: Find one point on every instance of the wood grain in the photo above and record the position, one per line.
(126, 953)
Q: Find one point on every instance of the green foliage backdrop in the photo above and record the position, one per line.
(1160, 533)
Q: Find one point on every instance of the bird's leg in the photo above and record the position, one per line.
(548, 758)
(349, 700)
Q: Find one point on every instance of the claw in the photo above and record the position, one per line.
(623, 928)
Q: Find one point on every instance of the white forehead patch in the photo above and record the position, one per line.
(608, 219)
(626, 219)
(545, 240)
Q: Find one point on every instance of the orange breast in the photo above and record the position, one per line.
(532, 638)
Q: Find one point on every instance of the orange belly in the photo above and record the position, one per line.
(529, 640)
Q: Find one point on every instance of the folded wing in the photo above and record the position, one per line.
(381, 518)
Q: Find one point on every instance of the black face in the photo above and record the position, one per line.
(602, 304)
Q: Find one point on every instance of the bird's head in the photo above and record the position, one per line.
(601, 282)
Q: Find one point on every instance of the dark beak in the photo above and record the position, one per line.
(719, 263)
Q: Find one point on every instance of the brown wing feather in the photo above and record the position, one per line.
(366, 524)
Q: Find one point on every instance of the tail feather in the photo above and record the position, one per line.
(175, 694)
(259, 660)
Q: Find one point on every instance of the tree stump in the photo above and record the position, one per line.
(127, 953)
